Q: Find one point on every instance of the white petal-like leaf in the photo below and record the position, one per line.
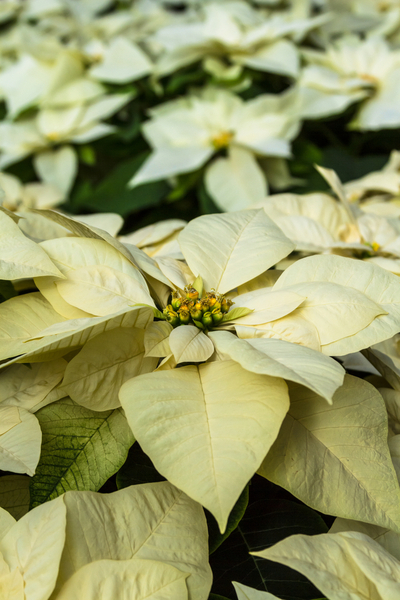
(159, 523)
(20, 257)
(337, 311)
(210, 423)
(336, 458)
(156, 339)
(57, 340)
(94, 376)
(102, 290)
(34, 545)
(190, 344)
(236, 182)
(278, 358)
(244, 592)
(26, 387)
(379, 285)
(125, 580)
(229, 249)
(332, 563)
(58, 167)
(20, 445)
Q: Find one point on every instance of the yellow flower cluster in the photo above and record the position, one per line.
(204, 312)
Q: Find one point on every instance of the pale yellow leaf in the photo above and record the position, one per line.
(102, 290)
(336, 311)
(327, 562)
(379, 285)
(57, 340)
(229, 249)
(9, 418)
(278, 358)
(6, 522)
(389, 540)
(153, 521)
(267, 305)
(26, 387)
(20, 257)
(21, 318)
(336, 458)
(210, 423)
(94, 376)
(244, 592)
(126, 580)
(34, 545)
(190, 344)
(156, 339)
(20, 445)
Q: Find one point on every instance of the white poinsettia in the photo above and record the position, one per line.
(350, 70)
(187, 132)
(235, 359)
(244, 35)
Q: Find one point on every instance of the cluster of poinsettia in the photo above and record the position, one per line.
(67, 68)
(256, 391)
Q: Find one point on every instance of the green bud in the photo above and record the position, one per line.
(198, 324)
(176, 302)
(226, 305)
(207, 319)
(172, 317)
(196, 314)
(191, 293)
(217, 316)
(184, 317)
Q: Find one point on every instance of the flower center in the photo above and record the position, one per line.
(222, 140)
(205, 312)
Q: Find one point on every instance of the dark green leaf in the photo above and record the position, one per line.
(265, 523)
(87, 155)
(137, 469)
(207, 205)
(217, 597)
(81, 449)
(6, 290)
(185, 183)
(113, 195)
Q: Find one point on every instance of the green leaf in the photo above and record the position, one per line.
(6, 290)
(236, 313)
(81, 449)
(216, 538)
(185, 183)
(265, 522)
(207, 206)
(113, 195)
(158, 314)
(87, 155)
(14, 494)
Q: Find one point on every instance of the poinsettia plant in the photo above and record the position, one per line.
(217, 364)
